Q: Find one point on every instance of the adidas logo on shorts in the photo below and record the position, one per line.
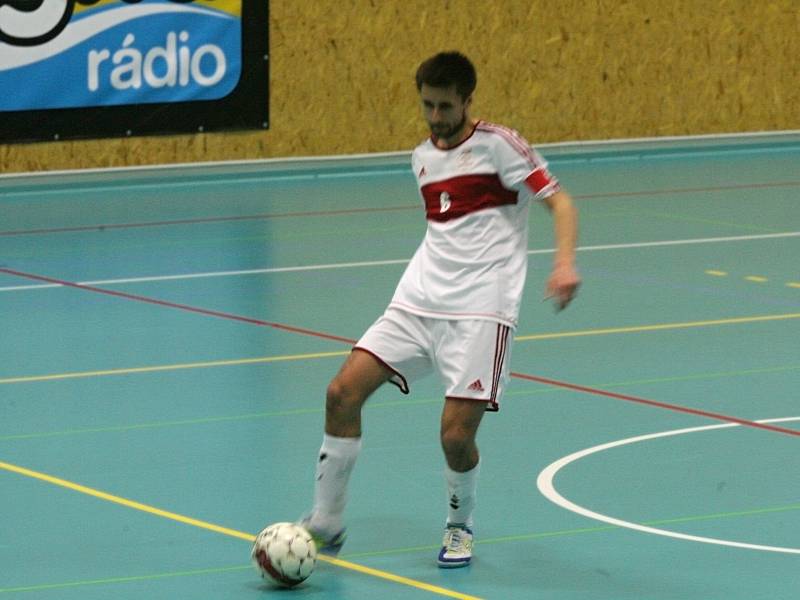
(476, 386)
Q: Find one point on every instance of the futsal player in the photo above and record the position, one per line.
(456, 306)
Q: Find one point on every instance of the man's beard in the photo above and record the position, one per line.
(447, 132)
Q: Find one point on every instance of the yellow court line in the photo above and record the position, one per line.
(225, 531)
(124, 502)
(662, 327)
(309, 356)
(175, 367)
(398, 579)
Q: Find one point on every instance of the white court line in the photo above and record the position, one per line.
(545, 484)
(400, 261)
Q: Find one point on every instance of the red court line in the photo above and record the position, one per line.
(675, 407)
(721, 188)
(543, 380)
(259, 217)
(351, 211)
(186, 307)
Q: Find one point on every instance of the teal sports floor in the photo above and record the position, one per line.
(167, 334)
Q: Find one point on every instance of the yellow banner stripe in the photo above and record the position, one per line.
(224, 530)
(232, 7)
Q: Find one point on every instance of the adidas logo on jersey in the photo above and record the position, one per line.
(476, 386)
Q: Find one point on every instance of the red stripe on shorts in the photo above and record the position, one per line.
(499, 355)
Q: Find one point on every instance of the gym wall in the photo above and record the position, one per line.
(342, 71)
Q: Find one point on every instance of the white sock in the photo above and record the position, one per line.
(337, 457)
(461, 492)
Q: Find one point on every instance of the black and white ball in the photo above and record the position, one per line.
(284, 553)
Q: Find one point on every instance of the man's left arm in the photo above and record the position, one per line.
(564, 280)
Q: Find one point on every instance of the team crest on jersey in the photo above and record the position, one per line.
(465, 159)
(444, 202)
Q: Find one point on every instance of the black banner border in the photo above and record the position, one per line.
(246, 108)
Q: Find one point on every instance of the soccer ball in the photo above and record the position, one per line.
(284, 553)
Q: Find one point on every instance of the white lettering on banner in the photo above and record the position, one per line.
(25, 20)
(161, 66)
(36, 22)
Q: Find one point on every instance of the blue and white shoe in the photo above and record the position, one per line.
(330, 545)
(456, 547)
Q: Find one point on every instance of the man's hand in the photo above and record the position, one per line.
(562, 286)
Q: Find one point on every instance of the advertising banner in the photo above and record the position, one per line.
(99, 68)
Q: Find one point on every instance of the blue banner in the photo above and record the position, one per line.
(81, 54)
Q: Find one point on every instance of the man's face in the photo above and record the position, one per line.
(444, 110)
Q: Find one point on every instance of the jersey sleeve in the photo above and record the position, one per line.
(522, 168)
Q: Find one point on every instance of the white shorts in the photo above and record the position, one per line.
(471, 357)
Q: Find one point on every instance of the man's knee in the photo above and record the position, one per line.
(457, 441)
(341, 397)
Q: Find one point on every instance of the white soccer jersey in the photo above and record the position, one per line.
(473, 260)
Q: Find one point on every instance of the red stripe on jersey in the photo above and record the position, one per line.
(514, 140)
(538, 180)
(459, 196)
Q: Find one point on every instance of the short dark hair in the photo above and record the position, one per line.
(446, 69)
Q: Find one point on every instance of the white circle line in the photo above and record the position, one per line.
(545, 484)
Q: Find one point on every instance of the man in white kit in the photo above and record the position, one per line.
(455, 308)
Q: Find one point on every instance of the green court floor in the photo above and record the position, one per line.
(167, 336)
